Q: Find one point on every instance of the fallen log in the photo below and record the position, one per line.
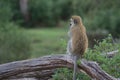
(45, 66)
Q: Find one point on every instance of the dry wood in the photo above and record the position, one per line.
(44, 67)
(112, 53)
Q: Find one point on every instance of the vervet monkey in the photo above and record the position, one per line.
(78, 42)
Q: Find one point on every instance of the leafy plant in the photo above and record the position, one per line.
(98, 54)
(110, 65)
(14, 43)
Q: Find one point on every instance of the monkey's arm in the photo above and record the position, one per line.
(69, 47)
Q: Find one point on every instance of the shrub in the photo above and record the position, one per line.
(110, 65)
(14, 43)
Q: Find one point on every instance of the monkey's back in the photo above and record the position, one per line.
(79, 41)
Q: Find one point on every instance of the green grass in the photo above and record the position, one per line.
(46, 41)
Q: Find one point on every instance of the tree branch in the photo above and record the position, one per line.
(45, 66)
(112, 53)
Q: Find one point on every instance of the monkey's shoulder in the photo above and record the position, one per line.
(75, 29)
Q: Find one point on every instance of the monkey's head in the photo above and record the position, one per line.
(75, 20)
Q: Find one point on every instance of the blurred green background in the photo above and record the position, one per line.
(34, 28)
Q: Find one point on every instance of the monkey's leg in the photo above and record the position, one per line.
(75, 67)
(69, 48)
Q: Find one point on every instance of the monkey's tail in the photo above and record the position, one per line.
(75, 67)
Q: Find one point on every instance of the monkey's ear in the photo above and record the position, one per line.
(75, 21)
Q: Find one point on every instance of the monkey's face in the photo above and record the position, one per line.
(76, 20)
(72, 22)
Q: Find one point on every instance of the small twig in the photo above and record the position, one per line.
(112, 53)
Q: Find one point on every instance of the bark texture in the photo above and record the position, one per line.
(44, 67)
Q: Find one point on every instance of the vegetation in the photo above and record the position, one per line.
(14, 45)
(17, 43)
(42, 46)
(47, 41)
(110, 65)
(98, 54)
(96, 14)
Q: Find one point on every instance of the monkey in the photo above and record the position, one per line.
(78, 41)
